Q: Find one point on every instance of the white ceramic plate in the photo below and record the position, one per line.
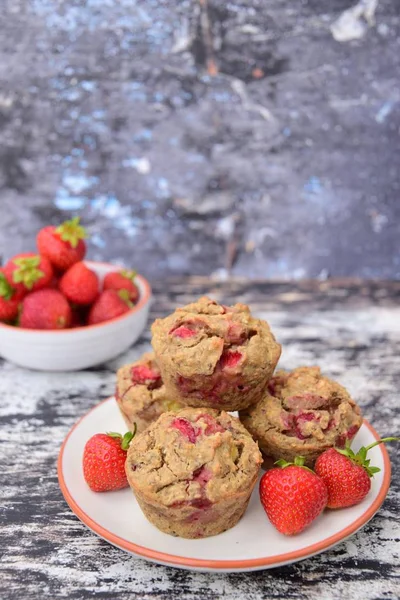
(252, 545)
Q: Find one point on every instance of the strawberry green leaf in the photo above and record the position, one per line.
(124, 439)
(128, 274)
(6, 290)
(373, 470)
(363, 453)
(282, 463)
(128, 437)
(124, 295)
(298, 462)
(360, 458)
(27, 271)
(71, 231)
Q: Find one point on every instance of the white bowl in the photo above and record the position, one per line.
(80, 347)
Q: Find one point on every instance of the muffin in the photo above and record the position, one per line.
(193, 472)
(302, 413)
(140, 393)
(215, 356)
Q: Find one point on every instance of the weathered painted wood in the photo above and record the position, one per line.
(352, 329)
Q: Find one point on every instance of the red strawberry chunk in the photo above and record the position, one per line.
(274, 385)
(340, 441)
(331, 424)
(142, 374)
(202, 475)
(183, 332)
(300, 420)
(352, 432)
(306, 402)
(186, 429)
(212, 425)
(202, 504)
(230, 359)
(236, 333)
(306, 417)
(188, 329)
(288, 421)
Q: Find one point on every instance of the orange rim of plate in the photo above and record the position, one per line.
(143, 299)
(183, 561)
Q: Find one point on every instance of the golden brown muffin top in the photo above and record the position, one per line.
(196, 337)
(196, 456)
(304, 404)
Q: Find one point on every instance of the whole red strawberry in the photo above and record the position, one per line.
(80, 284)
(122, 280)
(63, 245)
(347, 475)
(103, 461)
(28, 272)
(9, 300)
(109, 305)
(45, 309)
(292, 496)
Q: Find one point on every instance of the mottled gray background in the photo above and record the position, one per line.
(253, 137)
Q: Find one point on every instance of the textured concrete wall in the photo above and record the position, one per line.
(257, 137)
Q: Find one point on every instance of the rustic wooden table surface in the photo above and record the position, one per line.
(350, 328)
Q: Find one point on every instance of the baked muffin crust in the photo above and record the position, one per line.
(193, 472)
(140, 393)
(302, 413)
(213, 355)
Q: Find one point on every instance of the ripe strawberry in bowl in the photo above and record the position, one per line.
(83, 344)
(61, 313)
(122, 280)
(80, 284)
(110, 305)
(28, 272)
(10, 300)
(45, 309)
(64, 245)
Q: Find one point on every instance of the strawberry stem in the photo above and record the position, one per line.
(383, 440)
(298, 462)
(360, 458)
(124, 295)
(27, 272)
(71, 231)
(128, 274)
(126, 439)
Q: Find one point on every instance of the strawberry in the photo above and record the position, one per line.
(346, 474)
(28, 272)
(186, 429)
(103, 461)
(63, 245)
(292, 496)
(122, 280)
(9, 300)
(145, 375)
(45, 309)
(80, 284)
(109, 305)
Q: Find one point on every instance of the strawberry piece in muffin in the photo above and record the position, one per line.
(193, 472)
(140, 393)
(215, 356)
(302, 413)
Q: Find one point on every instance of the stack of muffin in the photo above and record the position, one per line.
(193, 466)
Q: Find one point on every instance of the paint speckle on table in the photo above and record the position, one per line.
(352, 330)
